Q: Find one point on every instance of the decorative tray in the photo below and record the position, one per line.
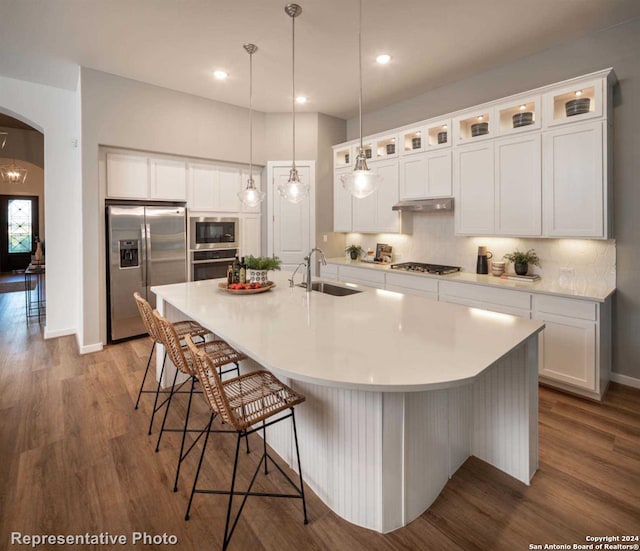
(224, 286)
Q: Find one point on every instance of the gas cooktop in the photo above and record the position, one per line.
(425, 268)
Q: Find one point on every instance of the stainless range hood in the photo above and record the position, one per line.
(443, 204)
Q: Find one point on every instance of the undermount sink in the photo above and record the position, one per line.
(330, 289)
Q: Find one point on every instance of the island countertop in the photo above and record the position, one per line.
(374, 340)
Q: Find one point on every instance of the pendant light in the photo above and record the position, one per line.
(11, 173)
(293, 190)
(362, 181)
(251, 196)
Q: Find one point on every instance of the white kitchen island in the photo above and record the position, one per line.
(400, 390)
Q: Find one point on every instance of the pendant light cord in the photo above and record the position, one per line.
(360, 70)
(251, 119)
(293, 85)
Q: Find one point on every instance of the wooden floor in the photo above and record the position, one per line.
(75, 458)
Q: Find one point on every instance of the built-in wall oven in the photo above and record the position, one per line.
(208, 232)
(211, 264)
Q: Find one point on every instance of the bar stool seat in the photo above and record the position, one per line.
(243, 402)
(183, 328)
(221, 355)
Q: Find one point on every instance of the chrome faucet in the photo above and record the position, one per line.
(294, 274)
(307, 259)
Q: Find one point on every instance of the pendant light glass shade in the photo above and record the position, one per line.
(13, 174)
(362, 181)
(251, 196)
(293, 190)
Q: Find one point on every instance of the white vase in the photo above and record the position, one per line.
(258, 276)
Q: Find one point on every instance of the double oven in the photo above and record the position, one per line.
(214, 243)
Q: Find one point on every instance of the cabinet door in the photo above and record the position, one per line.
(568, 350)
(250, 235)
(168, 179)
(229, 182)
(425, 175)
(518, 181)
(574, 181)
(413, 176)
(127, 176)
(439, 175)
(387, 220)
(203, 187)
(373, 214)
(473, 189)
(342, 204)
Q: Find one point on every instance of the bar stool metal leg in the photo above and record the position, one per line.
(195, 478)
(155, 402)
(146, 371)
(184, 435)
(295, 438)
(166, 411)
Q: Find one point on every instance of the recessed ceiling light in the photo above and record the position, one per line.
(220, 75)
(383, 59)
(301, 99)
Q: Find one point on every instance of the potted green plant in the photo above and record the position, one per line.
(522, 260)
(354, 251)
(259, 266)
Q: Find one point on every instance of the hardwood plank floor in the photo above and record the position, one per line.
(76, 458)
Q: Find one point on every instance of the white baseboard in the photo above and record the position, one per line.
(624, 380)
(50, 334)
(89, 348)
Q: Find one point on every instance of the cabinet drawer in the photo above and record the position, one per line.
(412, 282)
(347, 273)
(514, 299)
(581, 309)
(330, 271)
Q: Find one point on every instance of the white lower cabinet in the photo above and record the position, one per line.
(362, 276)
(575, 346)
(515, 303)
(412, 285)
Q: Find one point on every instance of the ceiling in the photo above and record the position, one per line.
(9, 122)
(178, 43)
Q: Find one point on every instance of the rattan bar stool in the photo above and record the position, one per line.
(221, 355)
(243, 402)
(182, 328)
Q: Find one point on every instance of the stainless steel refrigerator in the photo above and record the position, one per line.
(147, 246)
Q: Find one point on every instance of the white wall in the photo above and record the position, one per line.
(53, 112)
(615, 47)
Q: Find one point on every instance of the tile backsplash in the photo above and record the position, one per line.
(432, 240)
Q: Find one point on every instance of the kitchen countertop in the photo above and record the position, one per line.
(374, 340)
(587, 291)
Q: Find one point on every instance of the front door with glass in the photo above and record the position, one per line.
(19, 231)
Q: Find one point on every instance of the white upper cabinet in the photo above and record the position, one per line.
(373, 214)
(202, 187)
(426, 175)
(127, 176)
(168, 179)
(214, 187)
(518, 186)
(532, 164)
(574, 181)
(474, 189)
(342, 203)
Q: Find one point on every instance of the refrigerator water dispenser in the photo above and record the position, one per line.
(129, 253)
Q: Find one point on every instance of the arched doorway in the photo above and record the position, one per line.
(21, 212)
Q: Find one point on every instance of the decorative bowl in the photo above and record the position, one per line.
(479, 129)
(522, 119)
(577, 106)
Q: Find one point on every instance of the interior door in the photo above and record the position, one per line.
(19, 222)
(291, 223)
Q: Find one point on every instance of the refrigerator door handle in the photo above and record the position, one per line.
(143, 253)
(147, 249)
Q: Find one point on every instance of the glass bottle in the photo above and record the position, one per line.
(243, 271)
